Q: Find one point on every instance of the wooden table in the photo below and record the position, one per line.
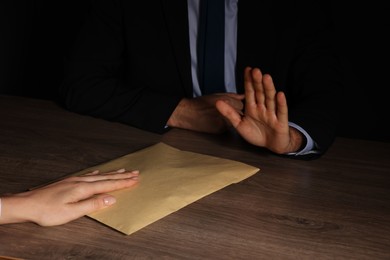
(335, 207)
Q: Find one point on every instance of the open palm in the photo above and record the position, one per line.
(264, 121)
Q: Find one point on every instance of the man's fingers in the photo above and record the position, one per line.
(229, 113)
(236, 104)
(282, 108)
(270, 92)
(257, 79)
(231, 95)
(250, 99)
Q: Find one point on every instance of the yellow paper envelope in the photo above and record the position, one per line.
(169, 180)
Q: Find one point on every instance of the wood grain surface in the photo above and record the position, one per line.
(335, 207)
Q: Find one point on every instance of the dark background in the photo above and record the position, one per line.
(35, 34)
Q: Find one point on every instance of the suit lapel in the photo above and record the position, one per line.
(176, 17)
(258, 44)
(248, 31)
(255, 37)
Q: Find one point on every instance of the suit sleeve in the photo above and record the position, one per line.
(94, 81)
(316, 75)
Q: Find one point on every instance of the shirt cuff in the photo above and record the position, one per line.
(310, 146)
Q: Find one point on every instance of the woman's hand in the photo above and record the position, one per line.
(66, 200)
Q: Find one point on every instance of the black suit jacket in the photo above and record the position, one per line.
(131, 62)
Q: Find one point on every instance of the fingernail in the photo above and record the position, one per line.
(135, 171)
(95, 172)
(109, 200)
(121, 170)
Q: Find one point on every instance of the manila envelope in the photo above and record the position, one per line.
(169, 180)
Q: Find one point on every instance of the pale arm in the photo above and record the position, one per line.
(65, 200)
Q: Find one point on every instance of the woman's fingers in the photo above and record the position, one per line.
(118, 174)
